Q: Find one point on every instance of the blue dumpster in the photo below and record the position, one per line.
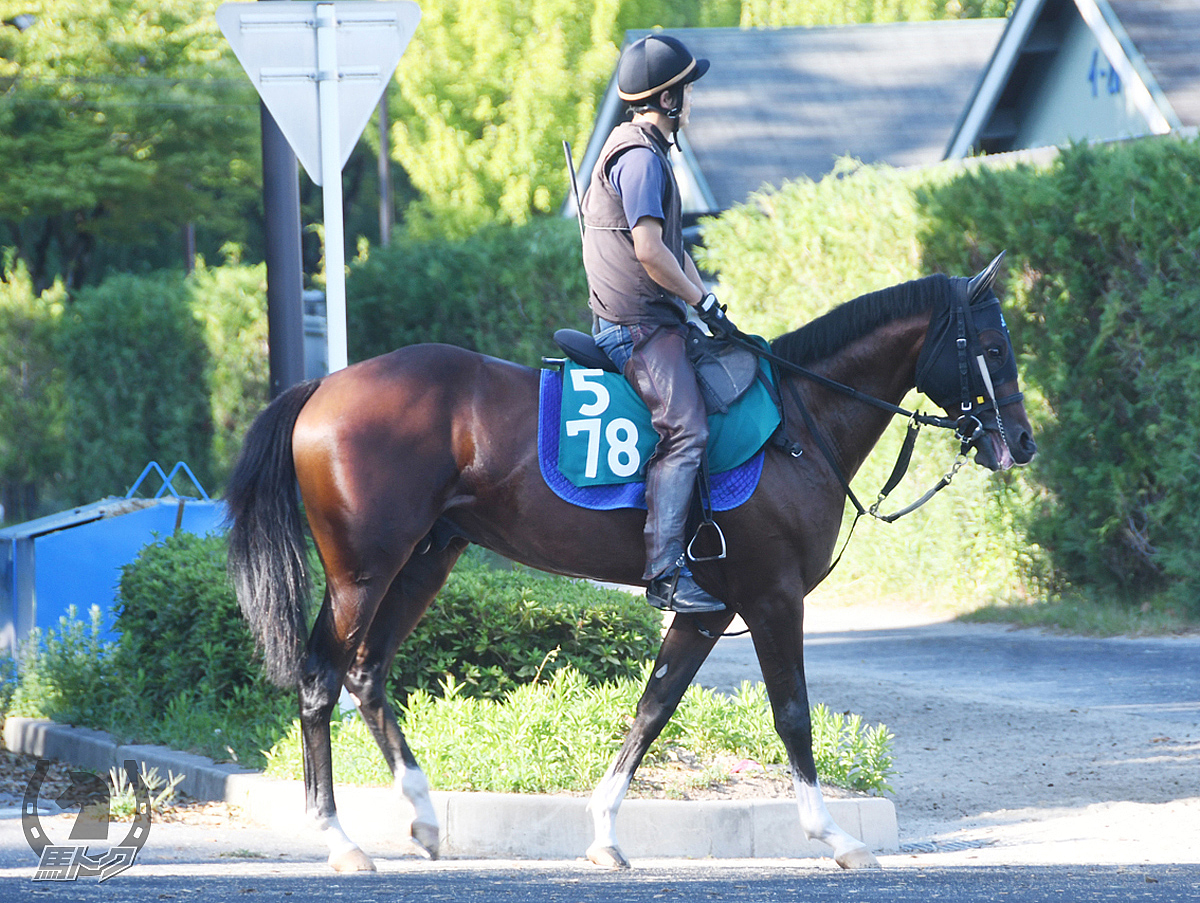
(75, 557)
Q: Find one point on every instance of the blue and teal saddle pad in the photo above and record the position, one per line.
(595, 437)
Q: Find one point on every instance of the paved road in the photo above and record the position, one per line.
(1152, 677)
(573, 883)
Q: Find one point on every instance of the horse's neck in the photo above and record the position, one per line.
(882, 365)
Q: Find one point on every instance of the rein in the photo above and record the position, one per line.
(915, 421)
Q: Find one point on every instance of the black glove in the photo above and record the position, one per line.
(712, 314)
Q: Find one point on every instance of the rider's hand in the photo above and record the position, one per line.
(712, 314)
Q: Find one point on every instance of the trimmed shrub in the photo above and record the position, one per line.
(31, 392)
(180, 625)
(1105, 282)
(184, 670)
(136, 366)
(230, 301)
(502, 292)
(793, 253)
(492, 629)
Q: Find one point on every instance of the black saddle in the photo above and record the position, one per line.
(582, 349)
(724, 372)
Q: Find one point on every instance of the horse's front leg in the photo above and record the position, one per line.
(679, 658)
(777, 629)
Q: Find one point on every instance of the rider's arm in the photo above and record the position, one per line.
(660, 263)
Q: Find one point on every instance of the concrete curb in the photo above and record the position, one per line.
(485, 825)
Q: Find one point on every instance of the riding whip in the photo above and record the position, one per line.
(574, 185)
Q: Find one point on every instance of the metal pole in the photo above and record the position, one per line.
(285, 280)
(386, 200)
(331, 177)
(285, 275)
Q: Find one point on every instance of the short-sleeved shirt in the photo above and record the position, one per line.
(638, 177)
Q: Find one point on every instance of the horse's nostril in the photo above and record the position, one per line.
(1028, 445)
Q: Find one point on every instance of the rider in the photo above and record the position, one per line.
(640, 280)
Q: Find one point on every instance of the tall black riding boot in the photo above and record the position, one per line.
(672, 586)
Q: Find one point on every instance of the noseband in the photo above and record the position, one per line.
(936, 371)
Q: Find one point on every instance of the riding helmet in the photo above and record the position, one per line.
(653, 64)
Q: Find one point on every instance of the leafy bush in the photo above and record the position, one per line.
(136, 363)
(492, 629)
(184, 670)
(503, 292)
(563, 733)
(1106, 244)
(180, 625)
(230, 302)
(65, 674)
(793, 253)
(31, 391)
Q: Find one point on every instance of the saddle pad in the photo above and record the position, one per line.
(610, 442)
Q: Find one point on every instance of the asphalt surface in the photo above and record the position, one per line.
(573, 883)
(1154, 678)
(1157, 677)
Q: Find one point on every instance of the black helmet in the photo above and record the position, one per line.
(653, 64)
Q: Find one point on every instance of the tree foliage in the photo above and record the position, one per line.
(120, 121)
(488, 93)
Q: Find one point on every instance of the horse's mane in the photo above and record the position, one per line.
(846, 323)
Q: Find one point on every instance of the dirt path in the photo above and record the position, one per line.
(1006, 765)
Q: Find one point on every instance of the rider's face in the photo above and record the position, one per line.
(685, 109)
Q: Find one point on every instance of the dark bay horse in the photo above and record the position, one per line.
(404, 459)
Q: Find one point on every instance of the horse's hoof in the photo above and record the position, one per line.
(607, 857)
(351, 860)
(426, 839)
(858, 858)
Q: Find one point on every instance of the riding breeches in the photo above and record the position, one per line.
(660, 372)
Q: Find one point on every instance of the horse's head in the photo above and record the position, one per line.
(968, 368)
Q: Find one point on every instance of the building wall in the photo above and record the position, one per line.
(1080, 97)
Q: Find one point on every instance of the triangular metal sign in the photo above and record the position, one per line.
(277, 44)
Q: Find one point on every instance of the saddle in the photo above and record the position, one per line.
(724, 371)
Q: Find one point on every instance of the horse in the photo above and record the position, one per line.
(404, 459)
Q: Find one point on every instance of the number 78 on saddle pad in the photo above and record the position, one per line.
(606, 437)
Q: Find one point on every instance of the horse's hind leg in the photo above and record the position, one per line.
(683, 651)
(405, 602)
(330, 649)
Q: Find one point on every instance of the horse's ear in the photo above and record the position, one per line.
(981, 283)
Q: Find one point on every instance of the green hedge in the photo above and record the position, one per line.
(1103, 304)
(503, 291)
(93, 386)
(1105, 286)
(492, 629)
(135, 362)
(31, 392)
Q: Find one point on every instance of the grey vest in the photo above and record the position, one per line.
(619, 288)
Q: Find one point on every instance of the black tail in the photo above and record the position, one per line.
(267, 550)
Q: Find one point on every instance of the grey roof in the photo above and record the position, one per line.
(1167, 35)
(784, 103)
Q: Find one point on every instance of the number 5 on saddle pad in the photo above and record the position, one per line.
(606, 437)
